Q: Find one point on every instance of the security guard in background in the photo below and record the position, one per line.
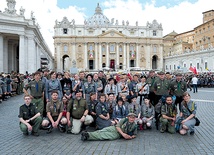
(161, 87)
(151, 81)
(177, 88)
(36, 87)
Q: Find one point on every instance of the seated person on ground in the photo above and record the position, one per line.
(54, 110)
(29, 117)
(126, 128)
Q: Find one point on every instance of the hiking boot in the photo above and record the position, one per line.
(35, 134)
(163, 129)
(84, 136)
(25, 133)
(192, 132)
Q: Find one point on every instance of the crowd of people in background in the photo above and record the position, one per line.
(74, 102)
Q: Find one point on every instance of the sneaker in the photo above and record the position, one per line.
(49, 129)
(84, 136)
(35, 134)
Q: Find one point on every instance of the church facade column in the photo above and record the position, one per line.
(38, 53)
(5, 56)
(58, 57)
(148, 56)
(160, 66)
(117, 56)
(11, 56)
(73, 58)
(124, 56)
(96, 56)
(31, 55)
(22, 62)
(107, 55)
(100, 56)
(86, 57)
(137, 56)
(128, 55)
(1, 53)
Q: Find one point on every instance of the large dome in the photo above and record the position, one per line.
(98, 18)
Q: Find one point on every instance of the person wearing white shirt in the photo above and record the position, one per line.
(194, 83)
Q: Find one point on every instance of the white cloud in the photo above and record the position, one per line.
(182, 17)
(46, 12)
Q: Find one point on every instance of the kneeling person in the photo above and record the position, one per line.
(30, 119)
(126, 128)
(54, 110)
(168, 112)
(77, 114)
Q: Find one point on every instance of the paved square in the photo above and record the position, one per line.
(148, 142)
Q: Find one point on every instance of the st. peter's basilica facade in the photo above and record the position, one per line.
(102, 43)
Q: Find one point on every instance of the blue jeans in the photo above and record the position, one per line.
(195, 88)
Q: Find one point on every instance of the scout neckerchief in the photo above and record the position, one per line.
(179, 85)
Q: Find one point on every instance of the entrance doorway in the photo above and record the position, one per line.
(112, 64)
(154, 62)
(132, 64)
(91, 64)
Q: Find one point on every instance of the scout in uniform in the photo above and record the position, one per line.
(177, 88)
(111, 103)
(147, 113)
(168, 116)
(89, 87)
(142, 89)
(151, 81)
(111, 88)
(92, 107)
(77, 85)
(123, 88)
(36, 88)
(54, 110)
(29, 117)
(66, 84)
(132, 85)
(99, 84)
(126, 128)
(77, 114)
(103, 117)
(161, 87)
(188, 112)
(120, 111)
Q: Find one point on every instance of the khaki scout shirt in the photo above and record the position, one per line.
(32, 87)
(162, 87)
(27, 112)
(127, 127)
(178, 88)
(55, 108)
(77, 108)
(169, 110)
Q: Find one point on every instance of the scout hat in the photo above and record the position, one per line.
(161, 73)
(132, 114)
(178, 74)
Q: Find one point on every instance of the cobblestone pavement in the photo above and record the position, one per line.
(148, 141)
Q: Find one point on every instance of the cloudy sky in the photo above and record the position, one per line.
(177, 15)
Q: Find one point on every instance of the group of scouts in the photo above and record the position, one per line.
(115, 106)
(11, 85)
